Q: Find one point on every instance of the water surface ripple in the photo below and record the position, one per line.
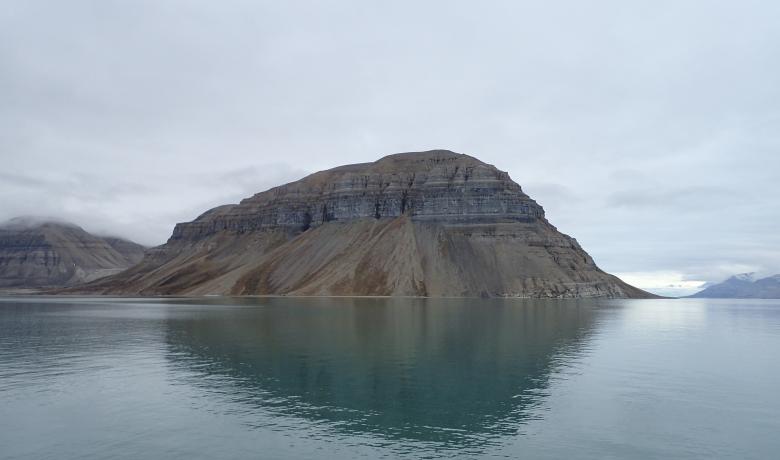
(286, 378)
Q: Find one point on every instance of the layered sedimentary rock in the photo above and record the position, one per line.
(433, 223)
(36, 253)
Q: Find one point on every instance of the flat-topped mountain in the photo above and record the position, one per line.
(41, 253)
(434, 223)
(743, 286)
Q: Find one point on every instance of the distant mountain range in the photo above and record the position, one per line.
(43, 253)
(743, 286)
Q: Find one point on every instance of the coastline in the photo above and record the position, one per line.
(47, 293)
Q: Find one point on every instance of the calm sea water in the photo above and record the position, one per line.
(286, 378)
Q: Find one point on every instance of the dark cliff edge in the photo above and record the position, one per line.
(433, 223)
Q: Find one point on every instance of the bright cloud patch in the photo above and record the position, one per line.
(671, 284)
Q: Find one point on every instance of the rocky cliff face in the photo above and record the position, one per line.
(431, 223)
(37, 253)
(428, 186)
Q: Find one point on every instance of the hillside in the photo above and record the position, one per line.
(41, 253)
(433, 223)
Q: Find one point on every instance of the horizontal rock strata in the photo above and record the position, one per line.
(41, 254)
(431, 223)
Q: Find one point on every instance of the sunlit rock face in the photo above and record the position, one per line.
(434, 223)
(39, 253)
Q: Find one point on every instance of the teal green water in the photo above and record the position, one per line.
(287, 378)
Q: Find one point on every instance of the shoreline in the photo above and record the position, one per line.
(38, 293)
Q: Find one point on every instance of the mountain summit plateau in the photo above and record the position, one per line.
(433, 223)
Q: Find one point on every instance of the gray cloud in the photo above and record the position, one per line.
(648, 131)
(691, 198)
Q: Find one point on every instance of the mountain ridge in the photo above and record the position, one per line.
(38, 252)
(743, 286)
(433, 223)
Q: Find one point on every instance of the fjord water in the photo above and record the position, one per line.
(281, 378)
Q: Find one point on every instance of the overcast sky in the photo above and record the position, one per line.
(649, 131)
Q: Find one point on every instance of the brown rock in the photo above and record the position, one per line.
(431, 223)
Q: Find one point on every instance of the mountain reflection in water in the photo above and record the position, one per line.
(438, 371)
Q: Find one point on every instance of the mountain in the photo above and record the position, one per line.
(744, 286)
(434, 223)
(42, 253)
